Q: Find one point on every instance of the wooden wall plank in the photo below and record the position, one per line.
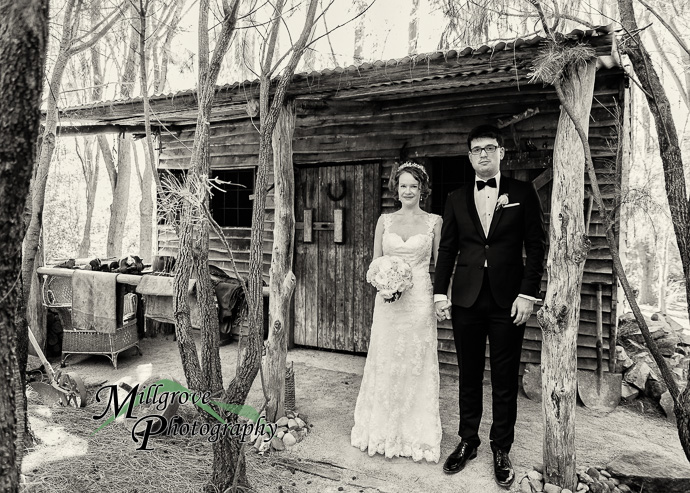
(343, 292)
(327, 262)
(362, 322)
(311, 252)
(299, 327)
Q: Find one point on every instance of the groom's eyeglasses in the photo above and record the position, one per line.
(490, 149)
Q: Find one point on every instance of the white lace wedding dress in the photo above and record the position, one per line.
(397, 410)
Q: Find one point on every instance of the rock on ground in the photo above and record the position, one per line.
(651, 473)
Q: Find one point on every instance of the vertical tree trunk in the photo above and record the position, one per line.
(146, 211)
(663, 273)
(23, 42)
(120, 204)
(90, 170)
(31, 259)
(193, 234)
(165, 49)
(150, 173)
(647, 272)
(413, 29)
(282, 278)
(559, 317)
(674, 180)
(108, 160)
(359, 32)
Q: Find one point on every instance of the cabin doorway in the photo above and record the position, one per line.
(447, 173)
(336, 209)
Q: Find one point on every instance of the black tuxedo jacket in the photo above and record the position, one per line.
(512, 228)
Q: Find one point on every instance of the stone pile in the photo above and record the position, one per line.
(290, 429)
(641, 375)
(588, 480)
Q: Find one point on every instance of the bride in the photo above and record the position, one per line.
(397, 411)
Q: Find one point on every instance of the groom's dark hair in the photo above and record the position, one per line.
(484, 131)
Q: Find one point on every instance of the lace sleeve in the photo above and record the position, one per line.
(386, 222)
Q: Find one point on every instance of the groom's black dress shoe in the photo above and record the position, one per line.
(457, 460)
(503, 469)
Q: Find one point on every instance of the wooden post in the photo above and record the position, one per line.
(282, 283)
(560, 315)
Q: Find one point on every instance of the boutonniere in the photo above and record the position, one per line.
(502, 200)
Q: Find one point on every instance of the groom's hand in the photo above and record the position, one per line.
(521, 310)
(442, 310)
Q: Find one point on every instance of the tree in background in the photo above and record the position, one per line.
(23, 43)
(73, 40)
(675, 185)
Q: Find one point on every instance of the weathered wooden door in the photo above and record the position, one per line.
(333, 302)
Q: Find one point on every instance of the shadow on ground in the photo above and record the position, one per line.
(326, 390)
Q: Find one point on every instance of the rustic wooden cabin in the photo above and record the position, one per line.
(350, 126)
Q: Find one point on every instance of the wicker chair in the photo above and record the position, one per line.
(57, 293)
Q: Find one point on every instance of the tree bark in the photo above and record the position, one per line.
(32, 257)
(151, 161)
(32, 237)
(269, 110)
(671, 69)
(361, 5)
(559, 317)
(676, 191)
(165, 49)
(663, 274)
(227, 456)
(23, 43)
(193, 236)
(282, 282)
(146, 211)
(120, 204)
(647, 272)
(108, 160)
(90, 170)
(413, 29)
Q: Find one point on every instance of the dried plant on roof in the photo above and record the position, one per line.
(550, 64)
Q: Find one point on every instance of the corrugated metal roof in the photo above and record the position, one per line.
(435, 58)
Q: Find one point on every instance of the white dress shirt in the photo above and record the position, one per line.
(485, 201)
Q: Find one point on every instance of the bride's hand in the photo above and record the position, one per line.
(442, 310)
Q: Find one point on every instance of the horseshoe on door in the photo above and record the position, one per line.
(343, 185)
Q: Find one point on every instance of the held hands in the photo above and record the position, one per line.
(442, 310)
(521, 310)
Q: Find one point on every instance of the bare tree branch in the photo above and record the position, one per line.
(80, 45)
(671, 69)
(269, 50)
(670, 29)
(359, 14)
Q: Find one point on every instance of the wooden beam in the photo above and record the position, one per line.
(528, 113)
(545, 177)
(65, 129)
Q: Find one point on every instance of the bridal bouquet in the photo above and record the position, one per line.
(391, 276)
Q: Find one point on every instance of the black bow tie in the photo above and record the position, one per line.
(491, 182)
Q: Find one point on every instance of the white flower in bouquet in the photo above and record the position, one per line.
(391, 276)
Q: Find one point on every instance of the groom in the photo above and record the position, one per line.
(489, 222)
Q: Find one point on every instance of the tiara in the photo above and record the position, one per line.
(410, 164)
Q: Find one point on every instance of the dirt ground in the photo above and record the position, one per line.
(327, 384)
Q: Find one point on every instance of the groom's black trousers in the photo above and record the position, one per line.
(471, 327)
